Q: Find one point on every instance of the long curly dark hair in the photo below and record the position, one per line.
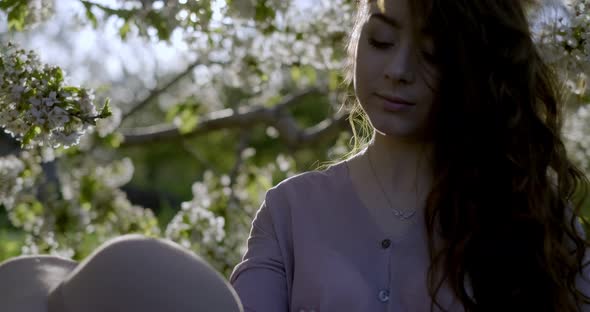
(503, 201)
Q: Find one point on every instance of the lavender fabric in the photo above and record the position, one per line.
(313, 246)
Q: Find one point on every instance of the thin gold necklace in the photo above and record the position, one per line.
(405, 216)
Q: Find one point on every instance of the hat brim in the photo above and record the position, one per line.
(26, 281)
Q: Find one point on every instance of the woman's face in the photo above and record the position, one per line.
(395, 75)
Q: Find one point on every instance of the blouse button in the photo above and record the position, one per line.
(384, 295)
(385, 243)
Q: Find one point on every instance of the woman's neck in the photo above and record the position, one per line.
(400, 165)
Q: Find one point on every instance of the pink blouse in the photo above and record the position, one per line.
(315, 247)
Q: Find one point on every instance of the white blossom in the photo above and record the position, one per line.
(58, 114)
(577, 141)
(11, 182)
(564, 41)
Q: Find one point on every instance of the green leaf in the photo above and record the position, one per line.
(184, 110)
(295, 73)
(30, 135)
(5, 5)
(27, 212)
(263, 11)
(310, 73)
(172, 112)
(89, 14)
(89, 186)
(114, 139)
(58, 75)
(106, 109)
(71, 89)
(160, 24)
(269, 29)
(334, 81)
(124, 30)
(189, 121)
(273, 101)
(17, 15)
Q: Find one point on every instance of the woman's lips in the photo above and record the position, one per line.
(395, 104)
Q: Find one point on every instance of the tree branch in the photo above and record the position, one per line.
(233, 201)
(245, 118)
(158, 91)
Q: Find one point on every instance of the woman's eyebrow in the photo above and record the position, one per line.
(388, 20)
(395, 23)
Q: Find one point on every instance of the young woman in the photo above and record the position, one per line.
(462, 199)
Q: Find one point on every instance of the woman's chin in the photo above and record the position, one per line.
(398, 132)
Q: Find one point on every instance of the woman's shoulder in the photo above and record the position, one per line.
(310, 188)
(306, 196)
(319, 180)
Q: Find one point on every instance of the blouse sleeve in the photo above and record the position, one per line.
(583, 279)
(583, 283)
(260, 278)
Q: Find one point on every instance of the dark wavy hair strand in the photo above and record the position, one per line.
(502, 215)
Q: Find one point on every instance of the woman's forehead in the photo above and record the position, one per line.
(388, 7)
(400, 12)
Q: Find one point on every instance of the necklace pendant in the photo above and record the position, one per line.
(403, 216)
(399, 214)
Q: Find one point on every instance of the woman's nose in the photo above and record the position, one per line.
(402, 66)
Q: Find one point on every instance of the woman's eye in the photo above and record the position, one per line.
(380, 44)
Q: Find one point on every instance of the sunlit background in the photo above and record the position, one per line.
(206, 120)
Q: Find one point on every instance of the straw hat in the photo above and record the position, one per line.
(130, 273)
